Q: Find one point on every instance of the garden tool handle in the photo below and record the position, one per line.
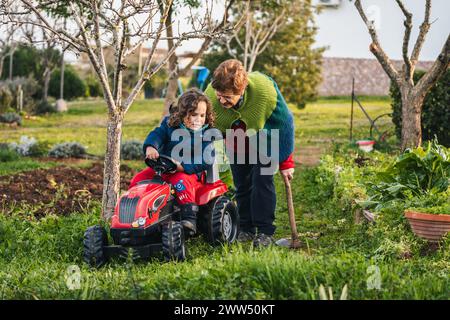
(291, 212)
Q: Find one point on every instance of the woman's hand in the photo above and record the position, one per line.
(288, 173)
(151, 153)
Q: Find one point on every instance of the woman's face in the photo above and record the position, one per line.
(227, 99)
(196, 119)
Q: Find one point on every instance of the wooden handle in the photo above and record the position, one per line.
(290, 209)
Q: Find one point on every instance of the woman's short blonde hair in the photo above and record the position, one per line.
(230, 76)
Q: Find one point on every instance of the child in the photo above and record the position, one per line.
(194, 114)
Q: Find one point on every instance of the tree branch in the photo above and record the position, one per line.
(408, 68)
(375, 46)
(424, 27)
(437, 69)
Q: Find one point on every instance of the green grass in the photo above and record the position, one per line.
(24, 164)
(85, 122)
(35, 254)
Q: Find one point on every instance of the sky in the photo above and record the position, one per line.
(344, 34)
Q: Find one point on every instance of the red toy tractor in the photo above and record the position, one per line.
(147, 220)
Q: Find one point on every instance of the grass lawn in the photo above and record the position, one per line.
(35, 254)
(317, 125)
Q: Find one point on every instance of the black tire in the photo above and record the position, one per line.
(173, 241)
(95, 238)
(222, 221)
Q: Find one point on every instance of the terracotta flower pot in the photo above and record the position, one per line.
(431, 227)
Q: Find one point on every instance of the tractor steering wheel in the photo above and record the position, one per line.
(162, 165)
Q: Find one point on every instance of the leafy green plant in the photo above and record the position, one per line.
(417, 172)
(437, 209)
(8, 155)
(44, 107)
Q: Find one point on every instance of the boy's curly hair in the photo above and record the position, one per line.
(187, 104)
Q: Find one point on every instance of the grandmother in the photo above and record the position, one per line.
(247, 101)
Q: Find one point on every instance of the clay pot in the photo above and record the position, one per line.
(431, 227)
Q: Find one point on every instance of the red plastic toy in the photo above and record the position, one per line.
(147, 221)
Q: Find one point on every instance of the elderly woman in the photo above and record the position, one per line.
(252, 101)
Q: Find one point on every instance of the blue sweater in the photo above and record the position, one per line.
(161, 139)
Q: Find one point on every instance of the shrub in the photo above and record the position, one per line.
(131, 150)
(435, 112)
(93, 87)
(9, 93)
(7, 154)
(68, 150)
(11, 117)
(6, 98)
(74, 86)
(26, 62)
(25, 146)
(44, 107)
(39, 149)
(30, 147)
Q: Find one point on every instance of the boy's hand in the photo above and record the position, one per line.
(151, 153)
(179, 166)
(288, 173)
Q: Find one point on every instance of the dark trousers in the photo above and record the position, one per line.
(256, 198)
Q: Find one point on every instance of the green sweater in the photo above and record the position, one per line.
(263, 108)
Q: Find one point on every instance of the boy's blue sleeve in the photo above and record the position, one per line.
(158, 136)
(206, 162)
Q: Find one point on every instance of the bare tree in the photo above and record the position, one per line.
(174, 71)
(8, 45)
(123, 26)
(259, 23)
(412, 94)
(48, 45)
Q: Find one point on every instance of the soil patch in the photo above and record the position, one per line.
(60, 190)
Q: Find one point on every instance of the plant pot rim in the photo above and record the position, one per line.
(427, 216)
(365, 142)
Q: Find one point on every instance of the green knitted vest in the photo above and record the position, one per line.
(260, 99)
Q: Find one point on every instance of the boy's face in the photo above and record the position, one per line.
(196, 119)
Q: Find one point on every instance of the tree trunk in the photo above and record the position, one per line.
(61, 81)
(2, 61)
(172, 87)
(11, 58)
(46, 77)
(171, 94)
(411, 119)
(111, 175)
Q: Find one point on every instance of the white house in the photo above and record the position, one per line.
(343, 32)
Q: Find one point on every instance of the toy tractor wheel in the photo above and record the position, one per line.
(223, 221)
(173, 241)
(95, 238)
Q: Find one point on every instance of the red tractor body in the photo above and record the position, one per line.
(146, 220)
